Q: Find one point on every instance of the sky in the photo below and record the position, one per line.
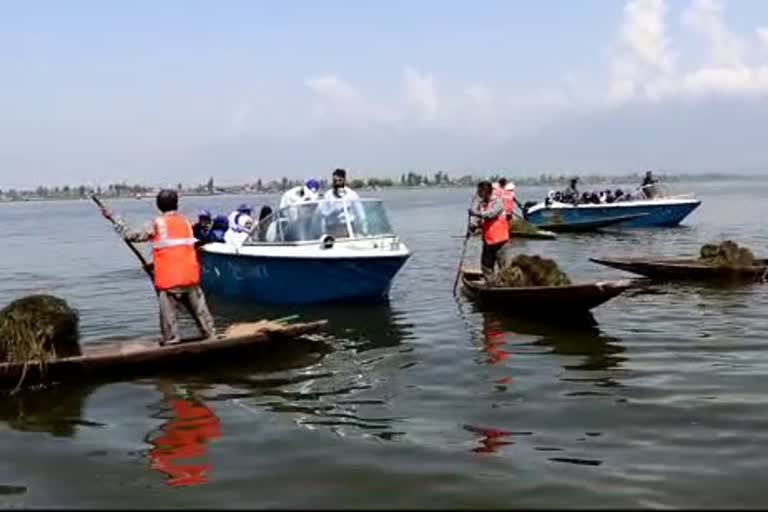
(176, 91)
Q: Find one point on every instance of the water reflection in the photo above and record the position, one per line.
(343, 394)
(190, 426)
(580, 337)
(57, 411)
(490, 440)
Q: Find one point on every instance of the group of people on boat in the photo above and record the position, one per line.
(571, 194)
(175, 266)
(236, 227)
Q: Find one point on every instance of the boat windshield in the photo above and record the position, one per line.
(309, 221)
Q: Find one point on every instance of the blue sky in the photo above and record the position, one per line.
(176, 90)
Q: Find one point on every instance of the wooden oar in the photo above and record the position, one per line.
(144, 264)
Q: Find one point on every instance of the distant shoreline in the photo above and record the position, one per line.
(74, 193)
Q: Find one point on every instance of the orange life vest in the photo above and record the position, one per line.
(508, 199)
(173, 253)
(495, 231)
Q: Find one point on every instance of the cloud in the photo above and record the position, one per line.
(334, 89)
(420, 93)
(642, 51)
(340, 101)
(646, 66)
(704, 17)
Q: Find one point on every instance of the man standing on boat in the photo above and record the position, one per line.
(492, 221)
(648, 187)
(176, 267)
(333, 206)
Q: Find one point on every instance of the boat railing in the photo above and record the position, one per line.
(313, 221)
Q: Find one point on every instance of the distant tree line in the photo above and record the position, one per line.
(409, 179)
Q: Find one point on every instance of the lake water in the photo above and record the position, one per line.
(424, 402)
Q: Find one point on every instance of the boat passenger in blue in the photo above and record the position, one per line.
(219, 229)
(201, 230)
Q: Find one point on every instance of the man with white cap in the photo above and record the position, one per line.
(307, 192)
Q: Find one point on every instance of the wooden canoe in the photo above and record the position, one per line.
(123, 359)
(571, 300)
(685, 269)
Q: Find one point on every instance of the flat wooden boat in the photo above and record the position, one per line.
(122, 359)
(571, 300)
(685, 269)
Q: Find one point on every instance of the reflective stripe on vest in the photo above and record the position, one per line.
(496, 230)
(173, 253)
(173, 243)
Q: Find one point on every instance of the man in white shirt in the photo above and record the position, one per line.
(333, 207)
(310, 191)
(240, 224)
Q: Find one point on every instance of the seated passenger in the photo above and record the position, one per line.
(219, 229)
(201, 230)
(240, 224)
(307, 192)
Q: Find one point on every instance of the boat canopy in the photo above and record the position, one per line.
(312, 220)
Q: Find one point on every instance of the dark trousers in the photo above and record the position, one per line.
(490, 257)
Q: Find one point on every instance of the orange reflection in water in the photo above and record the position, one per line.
(493, 341)
(185, 436)
(491, 439)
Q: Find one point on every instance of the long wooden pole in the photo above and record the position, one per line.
(144, 264)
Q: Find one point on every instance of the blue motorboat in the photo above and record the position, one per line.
(315, 252)
(649, 210)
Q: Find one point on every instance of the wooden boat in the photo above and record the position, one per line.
(114, 360)
(685, 269)
(570, 300)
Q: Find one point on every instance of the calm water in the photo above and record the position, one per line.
(422, 402)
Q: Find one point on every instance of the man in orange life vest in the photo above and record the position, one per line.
(492, 221)
(506, 192)
(176, 268)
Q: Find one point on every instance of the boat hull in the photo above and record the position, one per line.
(644, 214)
(571, 300)
(299, 280)
(685, 270)
(127, 359)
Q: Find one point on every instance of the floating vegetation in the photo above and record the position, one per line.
(37, 329)
(726, 254)
(526, 270)
(519, 226)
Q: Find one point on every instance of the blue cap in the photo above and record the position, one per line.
(204, 214)
(244, 208)
(312, 184)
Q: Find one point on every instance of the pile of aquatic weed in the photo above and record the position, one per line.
(519, 226)
(726, 254)
(37, 329)
(526, 270)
